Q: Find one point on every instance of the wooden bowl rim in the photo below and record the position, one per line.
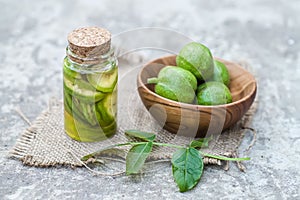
(193, 106)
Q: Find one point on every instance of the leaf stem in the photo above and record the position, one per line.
(153, 80)
(132, 143)
(223, 158)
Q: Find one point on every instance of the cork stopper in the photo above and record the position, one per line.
(88, 43)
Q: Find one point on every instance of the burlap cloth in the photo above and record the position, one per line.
(45, 144)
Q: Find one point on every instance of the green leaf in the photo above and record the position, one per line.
(202, 142)
(187, 168)
(137, 156)
(99, 152)
(141, 135)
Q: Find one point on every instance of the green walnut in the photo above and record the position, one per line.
(175, 83)
(197, 59)
(213, 93)
(221, 73)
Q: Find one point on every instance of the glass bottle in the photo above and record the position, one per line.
(90, 76)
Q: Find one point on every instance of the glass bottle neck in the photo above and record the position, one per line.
(91, 59)
(92, 63)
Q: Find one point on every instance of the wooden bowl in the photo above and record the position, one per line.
(197, 120)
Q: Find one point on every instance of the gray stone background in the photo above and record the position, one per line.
(266, 33)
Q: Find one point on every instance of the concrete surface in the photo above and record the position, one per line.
(266, 33)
